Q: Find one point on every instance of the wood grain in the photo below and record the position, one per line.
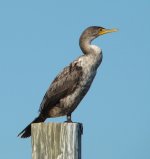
(56, 140)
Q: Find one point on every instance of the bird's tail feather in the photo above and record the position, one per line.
(27, 131)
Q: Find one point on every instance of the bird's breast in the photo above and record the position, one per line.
(90, 63)
(89, 67)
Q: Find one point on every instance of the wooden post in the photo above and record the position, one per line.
(56, 140)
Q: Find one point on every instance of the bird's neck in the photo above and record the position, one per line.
(87, 47)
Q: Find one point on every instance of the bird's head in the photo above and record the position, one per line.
(90, 34)
(95, 31)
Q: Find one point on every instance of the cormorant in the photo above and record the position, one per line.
(72, 84)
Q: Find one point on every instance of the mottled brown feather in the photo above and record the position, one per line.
(63, 85)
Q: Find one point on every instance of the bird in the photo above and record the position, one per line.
(73, 82)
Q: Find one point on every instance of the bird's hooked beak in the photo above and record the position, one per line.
(105, 31)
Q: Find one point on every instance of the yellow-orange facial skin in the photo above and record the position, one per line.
(105, 31)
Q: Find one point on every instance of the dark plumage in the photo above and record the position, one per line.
(71, 85)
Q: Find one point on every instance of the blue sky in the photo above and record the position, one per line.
(39, 38)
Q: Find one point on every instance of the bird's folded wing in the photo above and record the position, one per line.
(63, 85)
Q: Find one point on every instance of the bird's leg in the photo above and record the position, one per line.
(69, 118)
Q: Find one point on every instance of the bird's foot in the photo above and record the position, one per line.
(68, 119)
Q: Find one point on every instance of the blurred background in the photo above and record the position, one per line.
(39, 38)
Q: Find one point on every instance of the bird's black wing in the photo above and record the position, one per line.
(63, 85)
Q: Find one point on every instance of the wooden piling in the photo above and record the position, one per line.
(56, 140)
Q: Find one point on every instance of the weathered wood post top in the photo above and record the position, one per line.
(56, 140)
